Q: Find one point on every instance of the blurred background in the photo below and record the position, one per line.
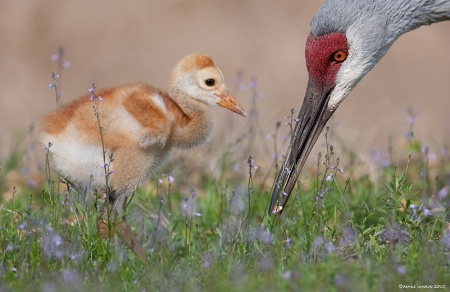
(117, 42)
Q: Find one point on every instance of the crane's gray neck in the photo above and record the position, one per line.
(393, 17)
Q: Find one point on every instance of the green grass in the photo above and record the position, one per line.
(363, 234)
(209, 230)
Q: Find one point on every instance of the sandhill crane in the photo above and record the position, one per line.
(347, 38)
(141, 124)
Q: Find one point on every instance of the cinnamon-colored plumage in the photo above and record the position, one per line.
(141, 124)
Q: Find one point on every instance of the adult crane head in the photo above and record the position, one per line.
(347, 39)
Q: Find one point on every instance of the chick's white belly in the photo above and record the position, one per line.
(83, 163)
(77, 160)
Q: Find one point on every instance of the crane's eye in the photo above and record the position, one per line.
(210, 82)
(339, 56)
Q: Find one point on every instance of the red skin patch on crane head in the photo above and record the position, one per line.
(322, 68)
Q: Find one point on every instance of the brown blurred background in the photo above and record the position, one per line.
(116, 42)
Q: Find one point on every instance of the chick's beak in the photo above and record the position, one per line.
(227, 101)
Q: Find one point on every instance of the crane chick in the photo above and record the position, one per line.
(141, 124)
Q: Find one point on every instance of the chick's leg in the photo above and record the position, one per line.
(116, 208)
(124, 232)
(105, 218)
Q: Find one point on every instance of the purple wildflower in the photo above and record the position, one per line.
(259, 234)
(206, 259)
(414, 216)
(250, 161)
(287, 242)
(54, 58)
(318, 241)
(329, 247)
(242, 87)
(287, 275)
(265, 263)
(52, 244)
(66, 64)
(237, 78)
(252, 83)
(401, 270)
(446, 239)
(186, 205)
(380, 157)
(339, 280)
(443, 193)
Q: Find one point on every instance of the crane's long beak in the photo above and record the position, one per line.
(227, 101)
(313, 116)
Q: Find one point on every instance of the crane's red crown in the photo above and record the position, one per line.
(322, 68)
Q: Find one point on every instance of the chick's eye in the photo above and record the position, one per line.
(210, 82)
(339, 56)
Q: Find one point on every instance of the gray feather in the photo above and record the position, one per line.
(401, 15)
